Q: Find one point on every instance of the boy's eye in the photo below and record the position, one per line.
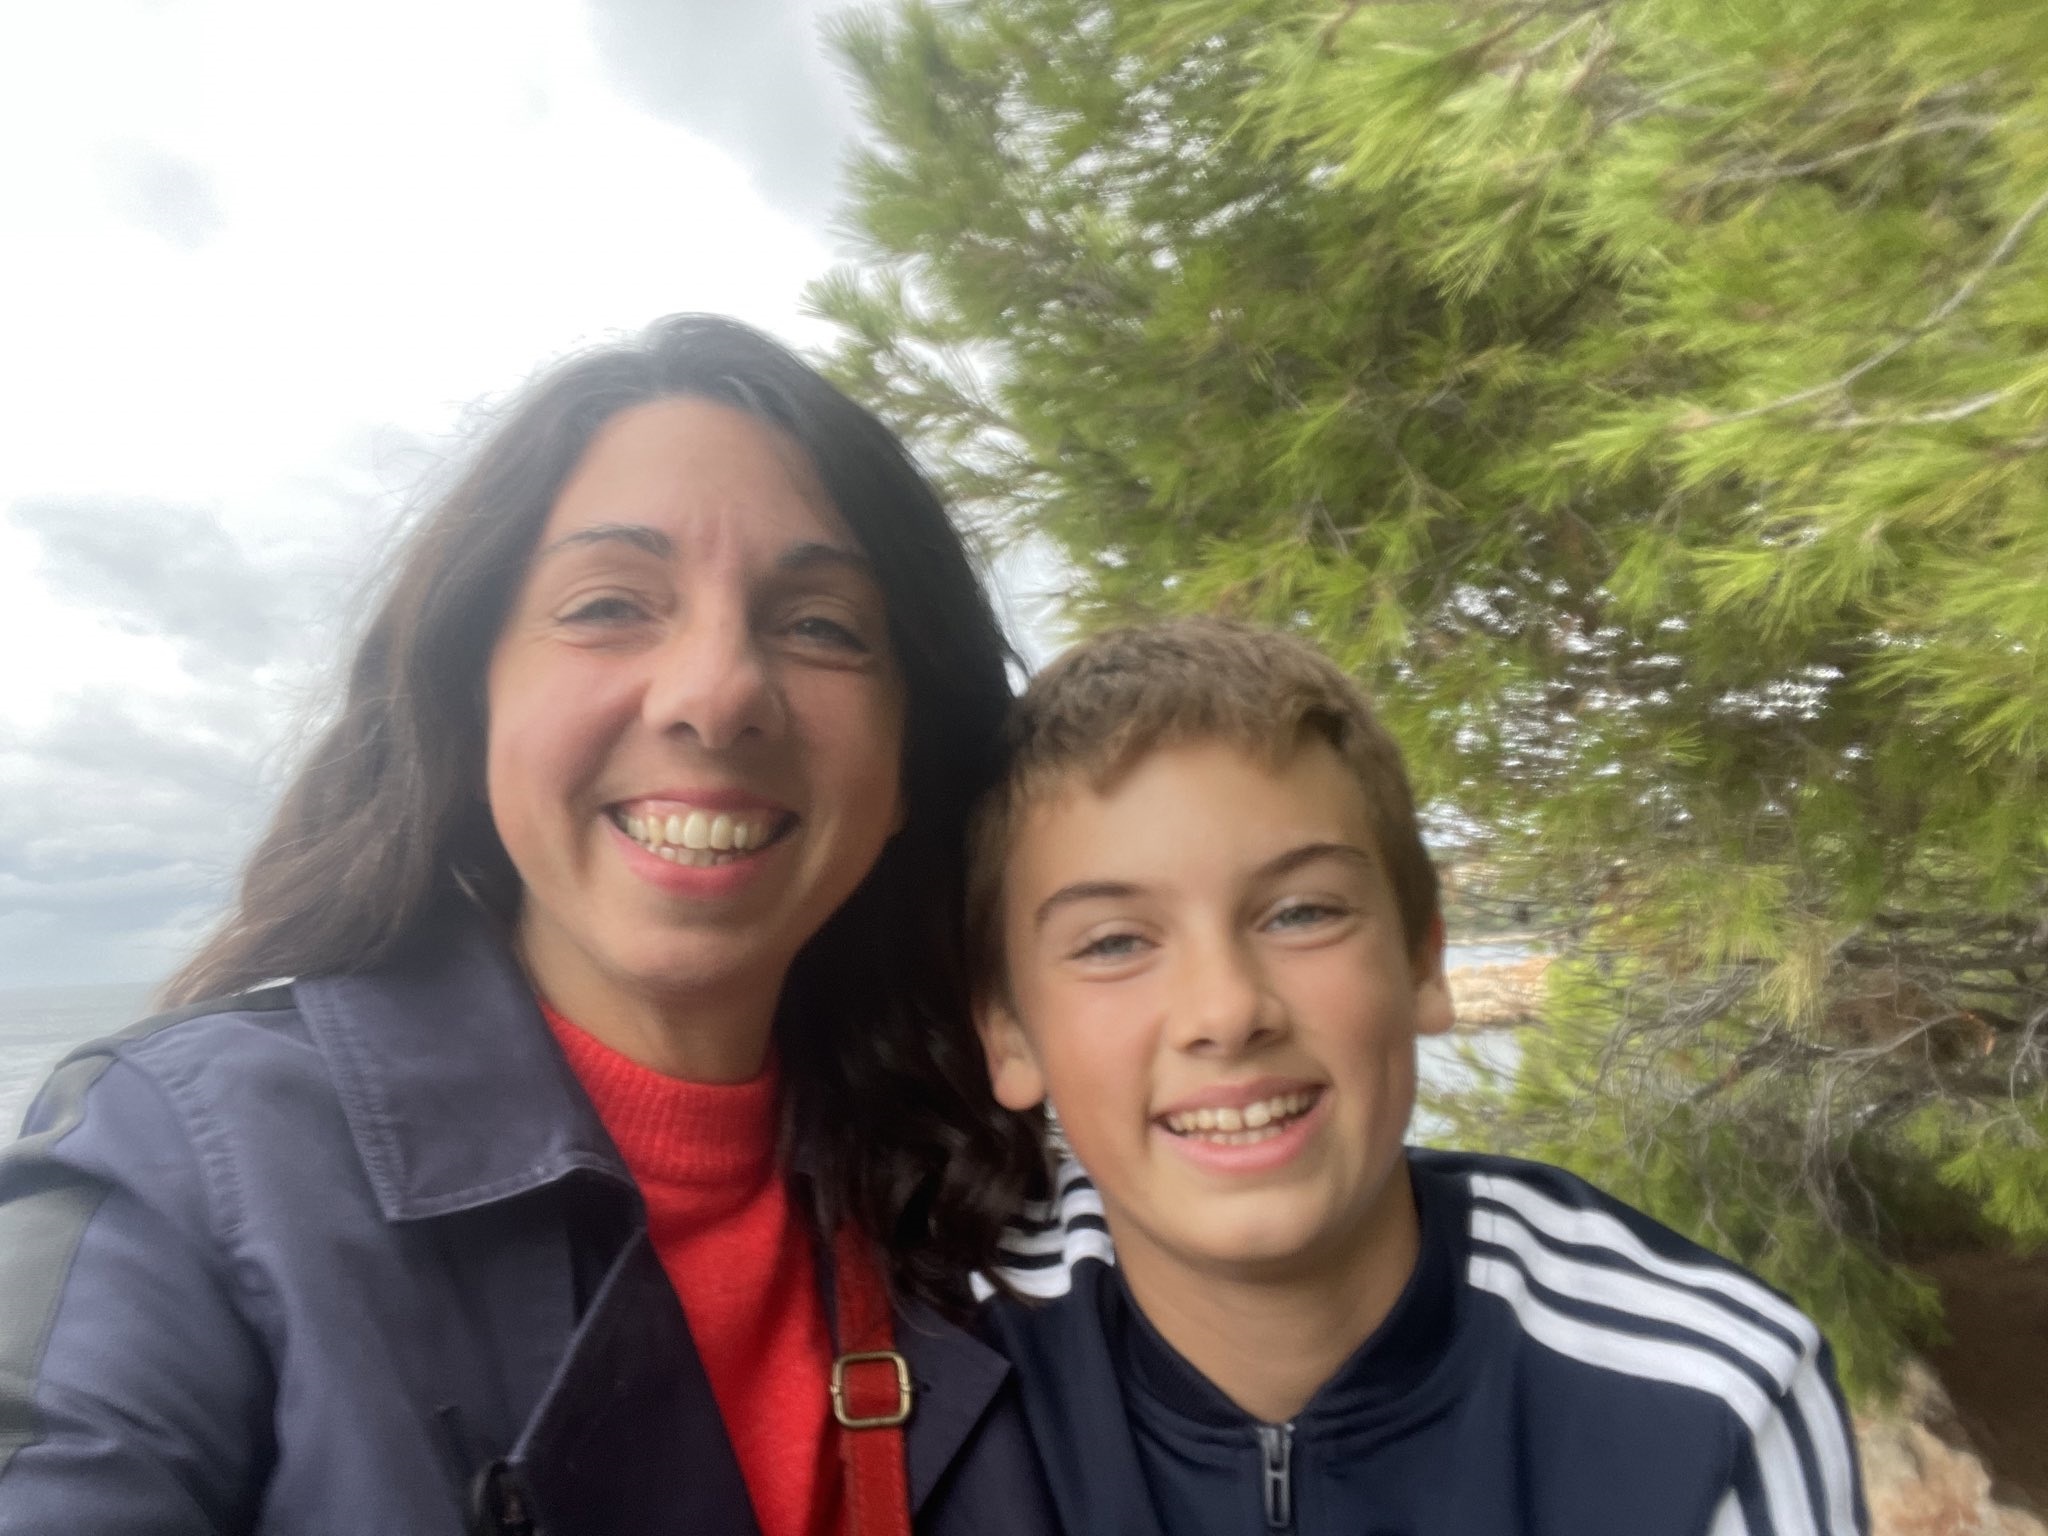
(1111, 946)
(1304, 914)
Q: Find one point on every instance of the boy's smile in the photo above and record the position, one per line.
(1206, 975)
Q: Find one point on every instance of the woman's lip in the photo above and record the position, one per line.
(699, 882)
(662, 800)
(1238, 1095)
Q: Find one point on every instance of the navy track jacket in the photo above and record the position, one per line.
(1558, 1365)
(355, 1256)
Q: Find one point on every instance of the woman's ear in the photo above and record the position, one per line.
(1013, 1071)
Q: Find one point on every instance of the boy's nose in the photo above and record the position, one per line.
(1224, 1004)
(711, 682)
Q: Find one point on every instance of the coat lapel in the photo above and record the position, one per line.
(955, 1378)
(627, 1439)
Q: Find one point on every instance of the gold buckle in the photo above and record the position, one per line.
(877, 1421)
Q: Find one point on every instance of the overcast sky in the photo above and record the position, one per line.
(260, 264)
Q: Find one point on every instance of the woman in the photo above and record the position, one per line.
(620, 900)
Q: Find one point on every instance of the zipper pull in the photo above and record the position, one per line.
(1276, 1453)
(498, 1506)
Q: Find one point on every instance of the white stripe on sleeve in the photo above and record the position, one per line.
(1665, 1360)
(1818, 1411)
(1728, 1519)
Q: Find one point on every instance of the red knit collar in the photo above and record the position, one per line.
(669, 1130)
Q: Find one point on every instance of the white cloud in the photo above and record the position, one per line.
(262, 260)
(404, 206)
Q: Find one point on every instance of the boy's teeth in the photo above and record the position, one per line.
(1254, 1122)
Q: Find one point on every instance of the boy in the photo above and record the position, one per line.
(1207, 933)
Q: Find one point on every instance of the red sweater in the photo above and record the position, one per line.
(741, 1258)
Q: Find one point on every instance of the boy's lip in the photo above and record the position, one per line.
(1269, 1151)
(1238, 1095)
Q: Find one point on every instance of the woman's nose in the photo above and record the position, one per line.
(710, 681)
(1223, 1005)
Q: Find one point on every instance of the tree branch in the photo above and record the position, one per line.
(1327, 41)
(1883, 355)
(1961, 410)
(1883, 141)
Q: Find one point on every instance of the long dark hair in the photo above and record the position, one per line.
(385, 826)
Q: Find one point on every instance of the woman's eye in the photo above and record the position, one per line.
(824, 631)
(605, 610)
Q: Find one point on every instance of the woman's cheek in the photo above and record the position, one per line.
(554, 721)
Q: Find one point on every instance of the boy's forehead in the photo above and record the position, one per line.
(1165, 794)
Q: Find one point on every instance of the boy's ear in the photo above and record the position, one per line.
(1013, 1071)
(1433, 1012)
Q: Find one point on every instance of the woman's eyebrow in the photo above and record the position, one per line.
(809, 555)
(813, 554)
(639, 535)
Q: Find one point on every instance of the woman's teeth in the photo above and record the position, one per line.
(1256, 1121)
(698, 838)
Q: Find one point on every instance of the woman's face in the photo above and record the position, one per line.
(695, 722)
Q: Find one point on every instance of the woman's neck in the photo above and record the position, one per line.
(1269, 1342)
(715, 1034)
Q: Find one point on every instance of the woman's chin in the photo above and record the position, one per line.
(639, 963)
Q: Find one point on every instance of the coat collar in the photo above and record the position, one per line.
(455, 1092)
(457, 1097)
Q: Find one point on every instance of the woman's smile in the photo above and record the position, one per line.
(703, 829)
(696, 853)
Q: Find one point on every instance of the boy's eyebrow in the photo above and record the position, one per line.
(1273, 868)
(1081, 890)
(1308, 853)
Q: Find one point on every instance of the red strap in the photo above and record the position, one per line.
(870, 1392)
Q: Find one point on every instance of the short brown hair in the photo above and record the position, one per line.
(1121, 695)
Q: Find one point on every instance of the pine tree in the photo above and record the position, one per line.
(1648, 399)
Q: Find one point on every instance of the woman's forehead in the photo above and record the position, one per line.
(688, 468)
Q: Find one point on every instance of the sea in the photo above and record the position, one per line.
(38, 1025)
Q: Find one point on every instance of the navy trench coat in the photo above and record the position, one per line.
(356, 1255)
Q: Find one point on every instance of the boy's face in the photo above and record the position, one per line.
(1209, 981)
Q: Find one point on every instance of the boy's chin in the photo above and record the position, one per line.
(1267, 1245)
(1272, 1236)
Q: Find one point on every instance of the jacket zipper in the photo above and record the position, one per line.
(499, 1504)
(1276, 1454)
